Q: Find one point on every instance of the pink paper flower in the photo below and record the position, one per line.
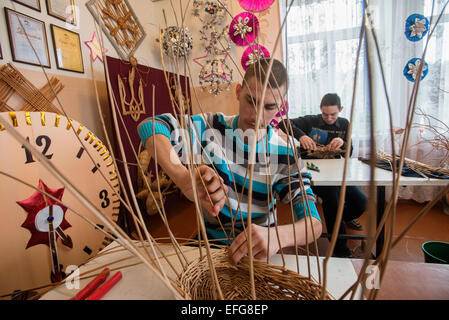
(244, 29)
(252, 54)
(256, 5)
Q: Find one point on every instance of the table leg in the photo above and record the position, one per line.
(380, 211)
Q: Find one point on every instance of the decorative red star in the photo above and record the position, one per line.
(35, 204)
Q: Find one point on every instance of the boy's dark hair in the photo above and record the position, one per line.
(331, 99)
(278, 74)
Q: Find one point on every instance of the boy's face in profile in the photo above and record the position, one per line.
(249, 96)
(330, 114)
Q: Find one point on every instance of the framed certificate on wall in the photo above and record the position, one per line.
(33, 4)
(62, 9)
(28, 39)
(67, 47)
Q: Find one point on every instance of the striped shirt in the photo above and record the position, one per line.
(216, 141)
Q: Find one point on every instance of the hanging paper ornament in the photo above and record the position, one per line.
(416, 27)
(209, 12)
(244, 29)
(177, 42)
(256, 5)
(412, 68)
(252, 54)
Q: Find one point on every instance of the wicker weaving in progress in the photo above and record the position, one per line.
(272, 282)
(416, 166)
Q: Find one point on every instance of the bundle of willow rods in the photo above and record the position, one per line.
(35, 99)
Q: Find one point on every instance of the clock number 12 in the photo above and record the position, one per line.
(41, 141)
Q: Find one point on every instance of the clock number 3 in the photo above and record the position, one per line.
(104, 196)
(41, 141)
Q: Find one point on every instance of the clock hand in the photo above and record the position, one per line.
(56, 275)
(65, 239)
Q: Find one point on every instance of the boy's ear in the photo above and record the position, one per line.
(238, 89)
(341, 108)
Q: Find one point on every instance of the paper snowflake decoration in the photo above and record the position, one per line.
(416, 27)
(412, 68)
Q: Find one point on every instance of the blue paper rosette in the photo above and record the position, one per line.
(416, 27)
(412, 67)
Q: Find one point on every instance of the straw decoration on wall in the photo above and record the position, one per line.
(123, 29)
(13, 82)
(119, 23)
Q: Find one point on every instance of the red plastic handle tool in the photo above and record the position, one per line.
(92, 286)
(97, 295)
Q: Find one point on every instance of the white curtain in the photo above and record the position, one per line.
(320, 45)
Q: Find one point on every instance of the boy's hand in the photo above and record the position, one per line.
(307, 143)
(259, 241)
(211, 190)
(335, 144)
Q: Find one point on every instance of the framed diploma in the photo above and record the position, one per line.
(67, 47)
(28, 39)
(33, 4)
(62, 9)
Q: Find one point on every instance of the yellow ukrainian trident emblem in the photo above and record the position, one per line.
(135, 107)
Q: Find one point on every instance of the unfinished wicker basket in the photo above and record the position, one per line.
(271, 282)
(416, 166)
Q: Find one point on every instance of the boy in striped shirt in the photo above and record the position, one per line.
(221, 147)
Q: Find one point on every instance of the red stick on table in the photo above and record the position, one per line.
(97, 295)
(92, 286)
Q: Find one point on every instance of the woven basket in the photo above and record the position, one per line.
(271, 282)
(412, 164)
(321, 152)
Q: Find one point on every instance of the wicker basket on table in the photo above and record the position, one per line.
(416, 166)
(271, 282)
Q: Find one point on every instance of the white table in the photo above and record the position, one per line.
(139, 283)
(359, 174)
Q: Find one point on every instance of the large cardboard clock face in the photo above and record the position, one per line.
(39, 236)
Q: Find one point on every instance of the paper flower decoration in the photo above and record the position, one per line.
(256, 5)
(252, 54)
(177, 42)
(416, 27)
(244, 29)
(412, 68)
